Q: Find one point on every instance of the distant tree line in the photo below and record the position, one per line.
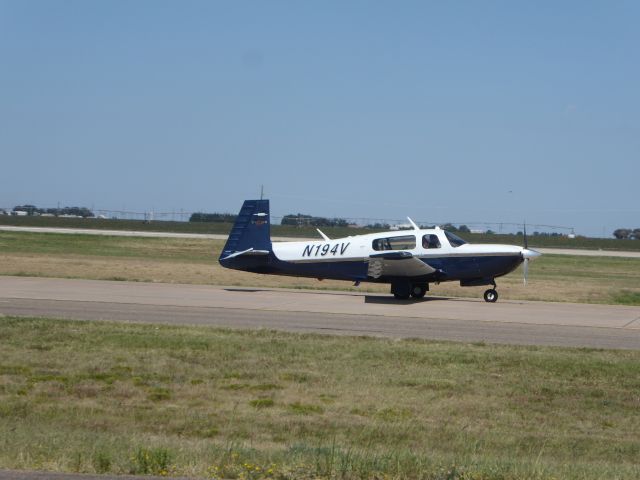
(302, 220)
(212, 217)
(32, 210)
(378, 226)
(627, 234)
(545, 234)
(453, 228)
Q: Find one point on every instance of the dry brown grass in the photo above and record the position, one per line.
(551, 278)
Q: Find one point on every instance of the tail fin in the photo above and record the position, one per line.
(251, 234)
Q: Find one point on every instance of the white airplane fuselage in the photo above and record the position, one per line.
(409, 260)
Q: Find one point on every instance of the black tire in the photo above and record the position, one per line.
(418, 291)
(491, 296)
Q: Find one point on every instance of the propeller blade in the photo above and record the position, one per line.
(526, 243)
(526, 256)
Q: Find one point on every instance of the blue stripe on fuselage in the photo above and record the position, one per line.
(448, 268)
(466, 267)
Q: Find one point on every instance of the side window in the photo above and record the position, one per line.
(404, 242)
(430, 241)
(381, 244)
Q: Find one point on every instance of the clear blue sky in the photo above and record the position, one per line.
(436, 110)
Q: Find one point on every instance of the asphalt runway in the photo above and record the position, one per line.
(339, 313)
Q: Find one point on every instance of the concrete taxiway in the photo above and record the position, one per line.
(342, 313)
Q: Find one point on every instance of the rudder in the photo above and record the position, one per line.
(251, 230)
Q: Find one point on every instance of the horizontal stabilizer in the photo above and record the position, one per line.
(248, 252)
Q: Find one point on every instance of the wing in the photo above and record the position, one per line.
(397, 264)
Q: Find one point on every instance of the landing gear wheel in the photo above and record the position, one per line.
(401, 290)
(490, 295)
(418, 291)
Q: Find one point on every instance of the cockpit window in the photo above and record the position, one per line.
(454, 240)
(404, 242)
(430, 241)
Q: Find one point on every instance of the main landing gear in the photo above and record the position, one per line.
(419, 291)
(405, 290)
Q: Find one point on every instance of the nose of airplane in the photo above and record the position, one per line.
(529, 254)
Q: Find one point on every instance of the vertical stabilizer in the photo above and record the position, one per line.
(251, 231)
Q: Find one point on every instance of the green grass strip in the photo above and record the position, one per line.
(124, 398)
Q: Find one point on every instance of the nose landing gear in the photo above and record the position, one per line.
(491, 295)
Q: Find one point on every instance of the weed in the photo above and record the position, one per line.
(158, 394)
(297, 377)
(626, 297)
(393, 414)
(305, 408)
(101, 461)
(262, 403)
(266, 387)
(150, 461)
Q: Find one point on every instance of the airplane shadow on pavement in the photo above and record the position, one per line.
(314, 292)
(382, 299)
(389, 300)
(245, 290)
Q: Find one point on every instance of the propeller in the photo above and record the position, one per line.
(527, 255)
(525, 267)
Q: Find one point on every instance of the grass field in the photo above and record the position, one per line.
(308, 232)
(121, 398)
(551, 277)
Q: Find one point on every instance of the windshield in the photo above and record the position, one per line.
(454, 240)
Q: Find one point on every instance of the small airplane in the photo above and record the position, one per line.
(408, 260)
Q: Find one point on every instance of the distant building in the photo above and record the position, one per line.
(401, 226)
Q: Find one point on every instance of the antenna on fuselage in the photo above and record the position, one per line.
(323, 235)
(413, 224)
